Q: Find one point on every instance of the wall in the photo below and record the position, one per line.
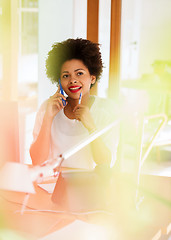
(146, 35)
(155, 33)
(104, 40)
(55, 25)
(130, 38)
(58, 20)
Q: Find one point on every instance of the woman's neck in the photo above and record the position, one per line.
(84, 100)
(68, 110)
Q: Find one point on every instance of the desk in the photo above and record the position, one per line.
(33, 223)
(126, 223)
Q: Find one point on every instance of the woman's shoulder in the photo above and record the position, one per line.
(105, 103)
(103, 111)
(41, 110)
(43, 106)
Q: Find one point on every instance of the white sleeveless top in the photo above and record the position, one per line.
(66, 133)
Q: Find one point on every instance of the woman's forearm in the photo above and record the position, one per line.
(101, 153)
(39, 150)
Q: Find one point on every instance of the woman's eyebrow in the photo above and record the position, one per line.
(74, 70)
(78, 69)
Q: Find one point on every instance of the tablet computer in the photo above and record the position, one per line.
(82, 190)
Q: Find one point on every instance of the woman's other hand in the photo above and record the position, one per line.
(82, 113)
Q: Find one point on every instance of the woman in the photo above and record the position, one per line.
(63, 121)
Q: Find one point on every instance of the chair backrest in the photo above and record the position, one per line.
(9, 132)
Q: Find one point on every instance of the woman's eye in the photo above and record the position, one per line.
(65, 76)
(80, 73)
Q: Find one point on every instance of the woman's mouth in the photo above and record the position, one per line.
(74, 89)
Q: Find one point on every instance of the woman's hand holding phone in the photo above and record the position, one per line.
(55, 104)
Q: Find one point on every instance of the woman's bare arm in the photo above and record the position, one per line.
(39, 150)
(101, 153)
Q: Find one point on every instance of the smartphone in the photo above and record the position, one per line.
(62, 92)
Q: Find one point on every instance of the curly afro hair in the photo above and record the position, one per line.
(81, 49)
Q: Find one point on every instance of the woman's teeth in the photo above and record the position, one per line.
(75, 88)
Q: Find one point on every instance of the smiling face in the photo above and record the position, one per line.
(76, 79)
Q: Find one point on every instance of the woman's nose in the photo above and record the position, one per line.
(73, 79)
